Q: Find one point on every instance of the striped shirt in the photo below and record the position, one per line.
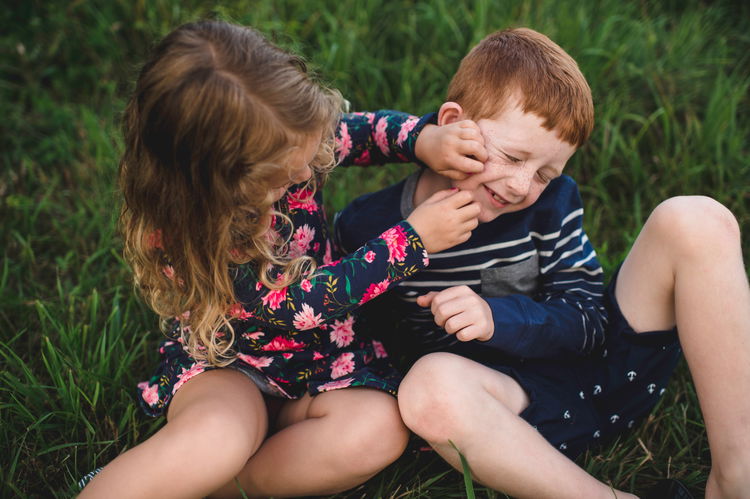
(535, 268)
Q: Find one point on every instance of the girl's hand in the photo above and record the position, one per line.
(460, 311)
(455, 150)
(445, 219)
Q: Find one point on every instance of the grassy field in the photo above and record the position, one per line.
(670, 82)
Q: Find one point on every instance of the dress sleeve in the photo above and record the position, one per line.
(567, 317)
(376, 138)
(336, 288)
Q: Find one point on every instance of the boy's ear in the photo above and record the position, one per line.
(450, 112)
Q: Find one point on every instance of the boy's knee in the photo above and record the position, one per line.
(695, 223)
(429, 397)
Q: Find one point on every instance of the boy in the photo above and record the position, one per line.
(531, 350)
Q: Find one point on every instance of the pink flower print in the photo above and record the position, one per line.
(370, 116)
(301, 240)
(253, 336)
(327, 257)
(237, 311)
(425, 258)
(256, 362)
(306, 285)
(258, 285)
(363, 159)
(154, 240)
(370, 256)
(281, 343)
(335, 385)
(150, 393)
(302, 199)
(274, 298)
(406, 127)
(186, 374)
(317, 356)
(343, 142)
(380, 352)
(287, 355)
(395, 239)
(306, 318)
(374, 290)
(381, 139)
(342, 332)
(168, 271)
(343, 365)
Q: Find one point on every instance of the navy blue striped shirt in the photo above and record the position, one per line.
(535, 268)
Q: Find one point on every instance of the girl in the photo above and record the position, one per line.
(226, 137)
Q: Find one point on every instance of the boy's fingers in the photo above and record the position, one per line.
(468, 333)
(426, 300)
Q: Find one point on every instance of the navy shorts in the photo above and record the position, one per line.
(580, 403)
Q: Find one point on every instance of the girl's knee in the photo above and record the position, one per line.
(694, 224)
(230, 437)
(371, 434)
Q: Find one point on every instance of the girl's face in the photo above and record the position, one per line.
(297, 166)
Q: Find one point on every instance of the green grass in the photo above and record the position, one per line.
(670, 83)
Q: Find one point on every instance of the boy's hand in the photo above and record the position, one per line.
(460, 311)
(455, 150)
(445, 219)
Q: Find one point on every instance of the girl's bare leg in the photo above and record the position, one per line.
(327, 444)
(216, 421)
(448, 397)
(686, 268)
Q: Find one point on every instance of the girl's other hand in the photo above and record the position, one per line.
(445, 219)
(455, 150)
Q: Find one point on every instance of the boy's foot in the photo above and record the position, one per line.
(87, 478)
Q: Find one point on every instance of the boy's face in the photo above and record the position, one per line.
(523, 157)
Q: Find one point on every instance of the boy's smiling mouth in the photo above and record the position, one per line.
(496, 200)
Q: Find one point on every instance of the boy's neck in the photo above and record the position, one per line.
(428, 184)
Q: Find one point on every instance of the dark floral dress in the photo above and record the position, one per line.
(301, 338)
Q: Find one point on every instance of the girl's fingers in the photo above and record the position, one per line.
(469, 164)
(469, 211)
(474, 150)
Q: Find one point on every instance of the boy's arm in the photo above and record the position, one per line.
(566, 318)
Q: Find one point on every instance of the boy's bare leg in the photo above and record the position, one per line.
(327, 444)
(448, 397)
(686, 268)
(216, 421)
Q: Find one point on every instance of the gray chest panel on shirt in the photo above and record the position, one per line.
(517, 278)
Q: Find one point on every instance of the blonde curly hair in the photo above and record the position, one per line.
(214, 116)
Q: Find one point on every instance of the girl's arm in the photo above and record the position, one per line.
(387, 136)
(335, 288)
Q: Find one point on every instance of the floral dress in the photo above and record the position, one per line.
(301, 338)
